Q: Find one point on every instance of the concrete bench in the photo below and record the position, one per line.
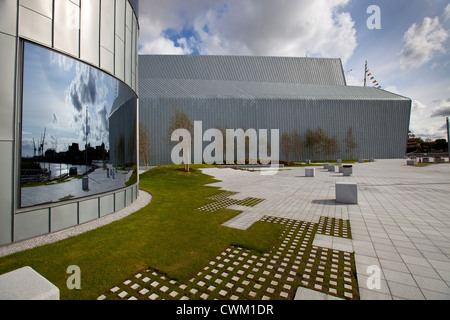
(347, 170)
(410, 162)
(346, 192)
(331, 168)
(341, 169)
(26, 284)
(361, 160)
(325, 165)
(310, 172)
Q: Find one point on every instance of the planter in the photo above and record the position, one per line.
(310, 172)
(347, 170)
(346, 192)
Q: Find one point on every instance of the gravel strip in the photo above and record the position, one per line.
(143, 200)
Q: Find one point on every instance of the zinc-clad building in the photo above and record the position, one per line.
(233, 92)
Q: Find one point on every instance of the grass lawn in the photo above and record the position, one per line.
(169, 235)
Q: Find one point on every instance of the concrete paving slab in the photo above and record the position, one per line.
(401, 221)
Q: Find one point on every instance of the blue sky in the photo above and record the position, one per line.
(409, 55)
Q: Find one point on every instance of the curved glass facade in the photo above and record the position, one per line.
(135, 4)
(68, 72)
(78, 129)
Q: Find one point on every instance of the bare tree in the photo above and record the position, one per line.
(286, 146)
(331, 146)
(297, 145)
(144, 145)
(350, 143)
(180, 120)
(312, 142)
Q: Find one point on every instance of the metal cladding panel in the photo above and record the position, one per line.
(243, 68)
(269, 93)
(379, 127)
(201, 89)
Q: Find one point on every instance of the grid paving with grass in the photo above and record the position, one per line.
(222, 200)
(334, 227)
(238, 273)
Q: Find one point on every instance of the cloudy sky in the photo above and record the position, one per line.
(408, 55)
(56, 92)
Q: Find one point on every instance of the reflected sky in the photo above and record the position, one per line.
(56, 92)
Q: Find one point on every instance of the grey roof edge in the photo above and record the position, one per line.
(285, 69)
(186, 88)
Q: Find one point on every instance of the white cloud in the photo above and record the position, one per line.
(442, 110)
(447, 12)
(161, 45)
(353, 81)
(422, 43)
(251, 27)
(424, 126)
(392, 88)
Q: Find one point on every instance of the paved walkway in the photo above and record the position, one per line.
(400, 226)
(399, 231)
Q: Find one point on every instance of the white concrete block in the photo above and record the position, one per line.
(346, 192)
(26, 284)
(310, 172)
(347, 170)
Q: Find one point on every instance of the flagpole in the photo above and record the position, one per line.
(365, 74)
(448, 136)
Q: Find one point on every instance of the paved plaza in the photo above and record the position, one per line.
(399, 230)
(401, 223)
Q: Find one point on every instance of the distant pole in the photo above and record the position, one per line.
(87, 113)
(365, 74)
(448, 137)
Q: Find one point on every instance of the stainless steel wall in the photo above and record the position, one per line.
(380, 127)
(102, 33)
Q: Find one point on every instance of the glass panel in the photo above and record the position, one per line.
(89, 31)
(78, 130)
(66, 26)
(120, 18)
(135, 4)
(107, 25)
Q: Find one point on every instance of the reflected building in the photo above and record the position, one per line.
(87, 54)
(122, 128)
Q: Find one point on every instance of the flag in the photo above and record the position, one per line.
(372, 78)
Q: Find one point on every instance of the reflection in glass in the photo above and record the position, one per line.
(78, 129)
(135, 4)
